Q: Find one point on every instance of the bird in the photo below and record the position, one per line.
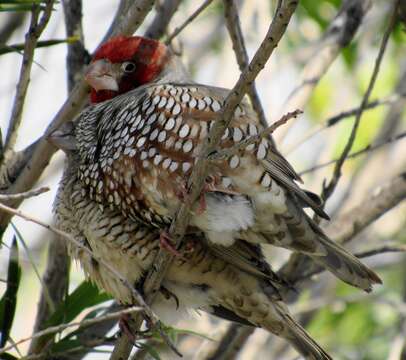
(129, 155)
(139, 148)
(235, 283)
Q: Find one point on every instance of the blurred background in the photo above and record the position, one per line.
(350, 324)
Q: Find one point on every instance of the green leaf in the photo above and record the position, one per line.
(84, 296)
(9, 300)
(7, 356)
(20, 47)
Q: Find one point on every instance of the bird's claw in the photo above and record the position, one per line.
(165, 243)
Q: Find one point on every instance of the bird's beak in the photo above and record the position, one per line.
(100, 76)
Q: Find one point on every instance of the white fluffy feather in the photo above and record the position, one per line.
(224, 216)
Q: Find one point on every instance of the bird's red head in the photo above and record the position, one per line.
(124, 63)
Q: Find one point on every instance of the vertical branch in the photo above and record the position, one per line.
(130, 19)
(37, 25)
(338, 35)
(164, 14)
(234, 29)
(56, 277)
(77, 55)
(330, 187)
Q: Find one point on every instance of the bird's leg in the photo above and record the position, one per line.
(166, 243)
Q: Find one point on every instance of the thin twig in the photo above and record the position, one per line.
(138, 298)
(56, 274)
(164, 14)
(136, 295)
(234, 29)
(337, 36)
(330, 187)
(366, 149)
(126, 23)
(276, 30)
(381, 250)
(335, 119)
(228, 152)
(377, 251)
(194, 15)
(83, 323)
(24, 195)
(348, 225)
(44, 287)
(36, 28)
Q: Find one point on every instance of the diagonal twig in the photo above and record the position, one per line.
(330, 187)
(276, 30)
(228, 152)
(234, 29)
(24, 195)
(366, 149)
(194, 15)
(37, 26)
(338, 35)
(125, 22)
(83, 323)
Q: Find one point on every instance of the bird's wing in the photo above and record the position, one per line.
(149, 139)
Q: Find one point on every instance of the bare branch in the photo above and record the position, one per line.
(126, 23)
(336, 119)
(77, 55)
(366, 149)
(276, 30)
(330, 187)
(338, 35)
(231, 342)
(382, 250)
(228, 152)
(24, 195)
(164, 14)
(12, 23)
(234, 29)
(195, 14)
(83, 323)
(35, 30)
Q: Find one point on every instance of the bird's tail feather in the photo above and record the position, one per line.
(346, 266)
(301, 340)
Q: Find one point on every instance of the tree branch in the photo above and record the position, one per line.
(348, 225)
(234, 29)
(366, 149)
(276, 30)
(125, 23)
(37, 26)
(194, 15)
(330, 187)
(164, 15)
(337, 36)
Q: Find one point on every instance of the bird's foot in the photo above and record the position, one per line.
(209, 186)
(166, 243)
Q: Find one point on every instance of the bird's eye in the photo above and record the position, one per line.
(128, 67)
